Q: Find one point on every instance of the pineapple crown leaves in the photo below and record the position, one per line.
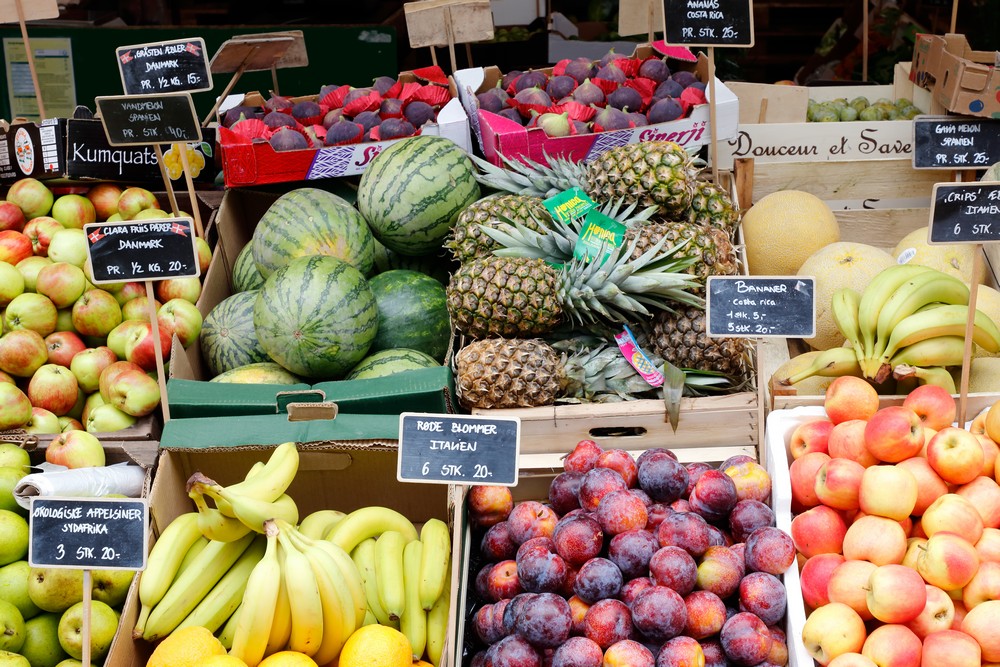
(530, 177)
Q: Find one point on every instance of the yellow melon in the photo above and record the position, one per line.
(988, 301)
(985, 375)
(782, 229)
(952, 258)
(842, 264)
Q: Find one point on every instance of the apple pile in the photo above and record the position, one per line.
(74, 356)
(41, 609)
(896, 516)
(632, 563)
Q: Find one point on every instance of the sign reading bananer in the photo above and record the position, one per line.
(965, 212)
(458, 449)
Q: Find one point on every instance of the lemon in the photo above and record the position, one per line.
(377, 646)
(187, 647)
(287, 659)
(223, 661)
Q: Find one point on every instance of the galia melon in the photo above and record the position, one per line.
(988, 301)
(985, 375)
(952, 258)
(842, 264)
(784, 228)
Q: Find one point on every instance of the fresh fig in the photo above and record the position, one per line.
(509, 78)
(555, 124)
(327, 89)
(276, 119)
(332, 116)
(611, 72)
(655, 69)
(383, 83)
(684, 78)
(511, 113)
(531, 79)
(287, 139)
(305, 109)
(699, 85)
(668, 88)
(560, 86)
(664, 111)
(394, 128)
(580, 69)
(625, 97)
(588, 93)
(535, 96)
(234, 114)
(356, 93)
(580, 126)
(610, 118)
(418, 113)
(638, 119)
(609, 57)
(368, 120)
(491, 101)
(277, 102)
(344, 132)
(391, 108)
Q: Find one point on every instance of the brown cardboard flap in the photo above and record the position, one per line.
(301, 412)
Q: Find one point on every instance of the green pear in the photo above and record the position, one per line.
(11, 627)
(55, 588)
(13, 537)
(9, 659)
(14, 588)
(9, 477)
(111, 586)
(41, 641)
(12, 456)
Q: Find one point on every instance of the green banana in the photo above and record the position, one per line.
(834, 362)
(844, 309)
(368, 522)
(364, 558)
(268, 482)
(226, 634)
(437, 626)
(251, 512)
(165, 561)
(924, 288)
(213, 523)
(937, 351)
(227, 594)
(413, 622)
(941, 321)
(389, 572)
(434, 561)
(879, 289)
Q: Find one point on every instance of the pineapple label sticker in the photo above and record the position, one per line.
(458, 449)
(153, 249)
(965, 212)
(761, 306)
(88, 533)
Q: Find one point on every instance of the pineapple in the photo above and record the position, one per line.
(711, 205)
(681, 339)
(650, 173)
(467, 241)
(709, 246)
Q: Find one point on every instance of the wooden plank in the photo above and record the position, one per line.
(879, 227)
(784, 104)
(843, 180)
(250, 54)
(428, 21)
(32, 10)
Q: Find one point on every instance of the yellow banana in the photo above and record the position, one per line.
(319, 523)
(935, 375)
(834, 362)
(368, 522)
(348, 571)
(213, 523)
(338, 606)
(226, 634)
(164, 562)
(434, 561)
(389, 571)
(227, 594)
(194, 584)
(253, 628)
(437, 626)
(250, 511)
(942, 321)
(879, 289)
(413, 622)
(364, 558)
(924, 288)
(937, 351)
(281, 624)
(844, 309)
(307, 612)
(268, 481)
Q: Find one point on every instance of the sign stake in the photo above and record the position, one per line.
(225, 91)
(166, 180)
(31, 58)
(650, 20)
(864, 39)
(274, 78)
(157, 345)
(963, 389)
(195, 213)
(85, 630)
(450, 36)
(954, 15)
(714, 146)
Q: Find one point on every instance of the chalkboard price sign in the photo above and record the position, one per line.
(458, 449)
(761, 306)
(152, 249)
(946, 142)
(137, 120)
(88, 533)
(965, 212)
(164, 67)
(709, 22)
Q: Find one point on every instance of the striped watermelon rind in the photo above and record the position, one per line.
(228, 337)
(412, 313)
(389, 362)
(413, 191)
(436, 265)
(316, 316)
(245, 273)
(264, 372)
(310, 221)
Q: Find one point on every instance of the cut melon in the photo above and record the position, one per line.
(784, 228)
(953, 258)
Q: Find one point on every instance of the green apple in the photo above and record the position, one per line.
(55, 588)
(70, 662)
(69, 245)
(12, 456)
(29, 268)
(111, 586)
(103, 625)
(11, 283)
(41, 641)
(106, 418)
(9, 477)
(14, 588)
(11, 627)
(13, 537)
(9, 659)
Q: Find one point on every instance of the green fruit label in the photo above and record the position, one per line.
(569, 205)
(599, 236)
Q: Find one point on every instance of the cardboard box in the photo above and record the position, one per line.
(571, 40)
(254, 163)
(773, 126)
(335, 472)
(77, 148)
(497, 135)
(191, 395)
(536, 473)
(960, 79)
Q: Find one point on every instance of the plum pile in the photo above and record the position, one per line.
(641, 562)
(580, 95)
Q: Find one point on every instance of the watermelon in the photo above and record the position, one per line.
(412, 192)
(228, 338)
(309, 221)
(389, 362)
(412, 313)
(316, 316)
(264, 372)
(245, 273)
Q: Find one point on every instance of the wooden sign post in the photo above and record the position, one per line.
(446, 23)
(88, 534)
(692, 24)
(458, 449)
(23, 11)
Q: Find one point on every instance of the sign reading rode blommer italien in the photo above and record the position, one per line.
(458, 449)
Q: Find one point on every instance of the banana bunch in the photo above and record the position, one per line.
(909, 317)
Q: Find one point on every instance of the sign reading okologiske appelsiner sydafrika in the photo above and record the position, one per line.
(88, 533)
(761, 306)
(458, 449)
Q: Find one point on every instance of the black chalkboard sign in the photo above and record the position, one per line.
(965, 212)
(947, 142)
(153, 249)
(761, 306)
(709, 22)
(136, 120)
(88, 533)
(164, 67)
(458, 449)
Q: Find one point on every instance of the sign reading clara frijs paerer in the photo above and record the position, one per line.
(164, 67)
(152, 249)
(458, 449)
(88, 533)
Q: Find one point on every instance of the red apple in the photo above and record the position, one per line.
(138, 308)
(88, 364)
(984, 585)
(984, 494)
(815, 577)
(39, 231)
(188, 289)
(134, 393)
(955, 455)
(848, 585)
(133, 200)
(42, 421)
(22, 352)
(31, 196)
(851, 660)
(803, 478)
(981, 624)
(838, 483)
(933, 404)
(952, 512)
(896, 593)
(818, 530)
(68, 245)
(951, 648)
(988, 546)
(11, 216)
(990, 454)
(104, 197)
(876, 539)
(107, 418)
(894, 433)
(54, 388)
(14, 246)
(204, 253)
(914, 548)
(850, 397)
(140, 347)
(11, 283)
(110, 374)
(129, 291)
(73, 211)
(67, 424)
(832, 630)
(75, 449)
(29, 268)
(893, 646)
(61, 282)
(31, 311)
(847, 441)
(930, 486)
(62, 346)
(937, 615)
(15, 408)
(810, 436)
(96, 313)
(947, 561)
(889, 491)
